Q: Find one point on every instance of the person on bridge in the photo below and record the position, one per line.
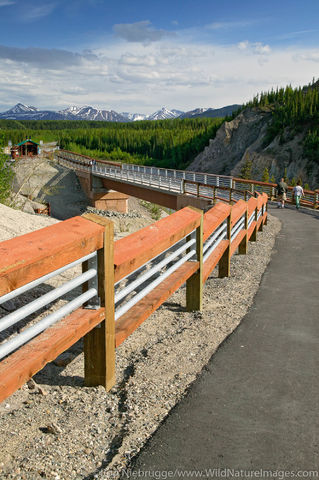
(298, 193)
(282, 189)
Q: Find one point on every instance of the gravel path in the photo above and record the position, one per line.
(55, 428)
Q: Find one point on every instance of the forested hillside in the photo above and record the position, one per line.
(293, 111)
(165, 143)
(276, 134)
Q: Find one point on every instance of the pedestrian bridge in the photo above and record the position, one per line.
(169, 188)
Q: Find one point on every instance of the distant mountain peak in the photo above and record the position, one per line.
(21, 108)
(164, 114)
(87, 112)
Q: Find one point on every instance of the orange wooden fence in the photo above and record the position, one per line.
(31, 256)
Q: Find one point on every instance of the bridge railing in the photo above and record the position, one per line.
(119, 290)
(310, 198)
(205, 178)
(179, 181)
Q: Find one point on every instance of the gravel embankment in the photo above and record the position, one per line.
(58, 429)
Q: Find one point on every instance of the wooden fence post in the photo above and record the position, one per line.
(243, 246)
(266, 219)
(253, 237)
(261, 226)
(99, 343)
(224, 262)
(214, 195)
(194, 285)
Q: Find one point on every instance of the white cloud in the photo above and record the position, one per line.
(308, 57)
(140, 32)
(43, 57)
(138, 78)
(256, 47)
(138, 60)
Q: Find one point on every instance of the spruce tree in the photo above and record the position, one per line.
(265, 176)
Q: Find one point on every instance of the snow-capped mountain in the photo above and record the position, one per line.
(90, 113)
(25, 112)
(134, 117)
(20, 108)
(164, 114)
(73, 110)
(193, 113)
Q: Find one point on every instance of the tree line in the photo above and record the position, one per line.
(163, 143)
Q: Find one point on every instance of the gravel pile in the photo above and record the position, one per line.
(55, 428)
(110, 213)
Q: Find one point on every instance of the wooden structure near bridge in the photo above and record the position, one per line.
(26, 148)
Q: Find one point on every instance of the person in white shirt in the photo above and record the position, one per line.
(298, 193)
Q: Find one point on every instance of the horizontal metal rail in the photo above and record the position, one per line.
(215, 244)
(213, 237)
(126, 307)
(181, 247)
(139, 281)
(251, 219)
(16, 342)
(44, 300)
(237, 228)
(28, 286)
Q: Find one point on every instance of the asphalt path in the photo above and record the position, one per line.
(254, 410)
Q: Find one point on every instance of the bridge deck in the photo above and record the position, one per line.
(256, 405)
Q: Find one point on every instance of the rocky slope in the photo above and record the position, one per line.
(243, 139)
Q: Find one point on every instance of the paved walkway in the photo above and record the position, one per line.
(256, 406)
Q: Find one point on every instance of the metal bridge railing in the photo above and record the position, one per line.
(175, 180)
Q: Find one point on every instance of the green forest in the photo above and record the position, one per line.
(162, 143)
(293, 111)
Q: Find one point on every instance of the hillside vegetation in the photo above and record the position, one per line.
(294, 111)
(163, 143)
(276, 134)
(6, 174)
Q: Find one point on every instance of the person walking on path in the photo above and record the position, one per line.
(298, 193)
(282, 188)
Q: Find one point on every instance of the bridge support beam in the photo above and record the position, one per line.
(172, 200)
(107, 194)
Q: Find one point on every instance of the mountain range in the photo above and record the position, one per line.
(25, 112)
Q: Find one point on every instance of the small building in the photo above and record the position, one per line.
(27, 148)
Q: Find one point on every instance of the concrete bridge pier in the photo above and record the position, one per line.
(100, 196)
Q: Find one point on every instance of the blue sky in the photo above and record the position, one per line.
(142, 55)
